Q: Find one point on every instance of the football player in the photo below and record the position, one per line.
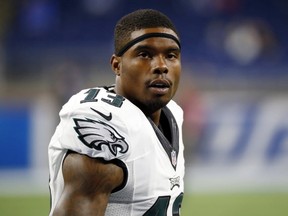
(118, 149)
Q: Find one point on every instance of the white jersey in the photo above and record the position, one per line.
(98, 123)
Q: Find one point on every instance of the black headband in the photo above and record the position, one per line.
(145, 36)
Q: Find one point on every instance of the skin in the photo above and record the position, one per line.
(88, 181)
(147, 61)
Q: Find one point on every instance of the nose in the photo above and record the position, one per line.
(160, 65)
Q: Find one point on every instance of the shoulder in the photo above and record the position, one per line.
(103, 104)
(97, 96)
(97, 102)
(91, 123)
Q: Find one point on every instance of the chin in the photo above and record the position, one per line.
(157, 104)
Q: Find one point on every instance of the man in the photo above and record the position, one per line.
(118, 150)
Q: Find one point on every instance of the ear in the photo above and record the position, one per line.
(115, 64)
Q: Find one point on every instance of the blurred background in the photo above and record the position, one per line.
(233, 91)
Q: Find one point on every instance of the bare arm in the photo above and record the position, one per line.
(88, 185)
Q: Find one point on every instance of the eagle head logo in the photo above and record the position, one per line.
(95, 134)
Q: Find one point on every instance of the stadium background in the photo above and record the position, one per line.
(234, 87)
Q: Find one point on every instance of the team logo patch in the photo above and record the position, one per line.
(174, 158)
(96, 134)
(174, 182)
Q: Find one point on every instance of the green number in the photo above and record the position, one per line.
(114, 100)
(161, 205)
(92, 93)
(177, 205)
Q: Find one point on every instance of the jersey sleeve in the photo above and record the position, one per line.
(93, 127)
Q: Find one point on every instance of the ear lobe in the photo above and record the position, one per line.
(115, 64)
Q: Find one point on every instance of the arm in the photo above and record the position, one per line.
(88, 184)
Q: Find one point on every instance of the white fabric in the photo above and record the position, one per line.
(150, 172)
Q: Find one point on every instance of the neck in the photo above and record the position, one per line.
(155, 117)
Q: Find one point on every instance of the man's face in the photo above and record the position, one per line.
(148, 73)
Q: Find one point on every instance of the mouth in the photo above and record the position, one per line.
(160, 86)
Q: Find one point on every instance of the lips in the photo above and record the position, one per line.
(160, 83)
(159, 86)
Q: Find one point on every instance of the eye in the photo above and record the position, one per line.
(144, 54)
(172, 56)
